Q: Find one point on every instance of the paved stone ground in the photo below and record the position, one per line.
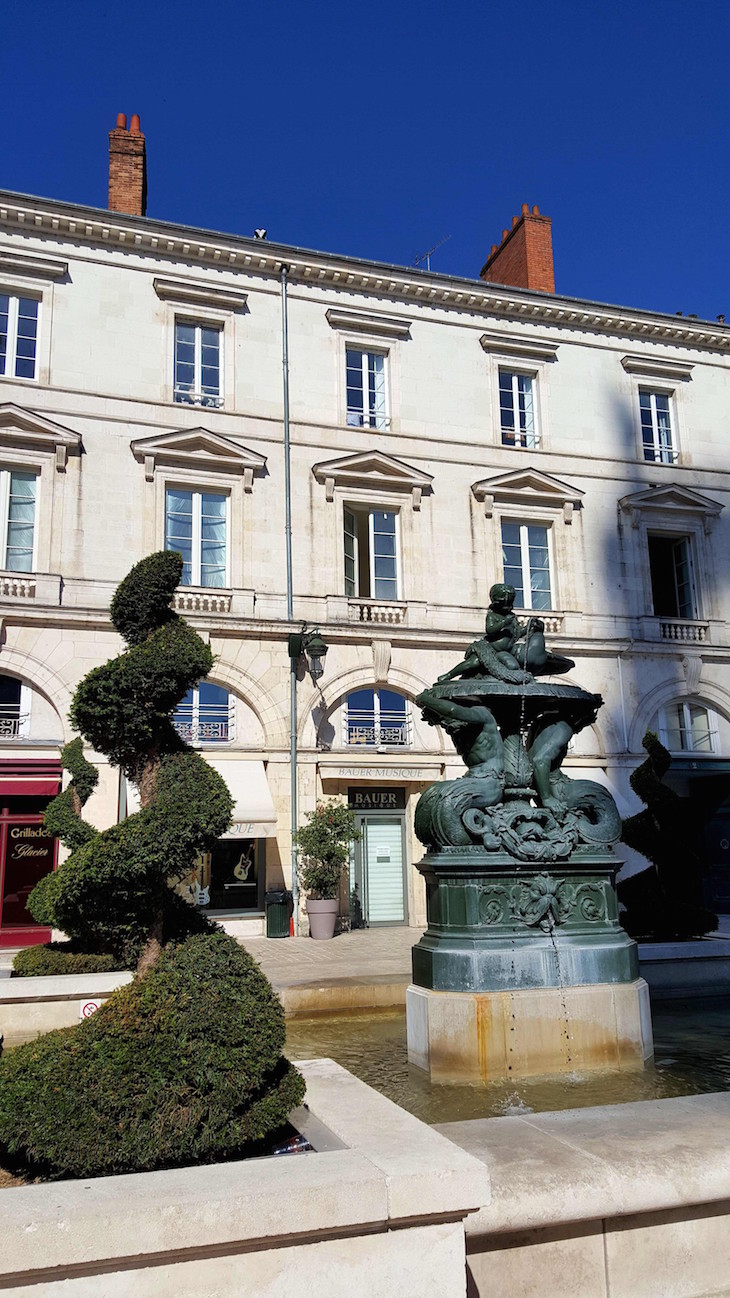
(367, 953)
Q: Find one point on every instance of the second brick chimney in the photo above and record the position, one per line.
(524, 258)
(127, 168)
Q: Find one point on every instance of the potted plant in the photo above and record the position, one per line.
(324, 844)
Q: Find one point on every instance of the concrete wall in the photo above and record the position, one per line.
(383, 1200)
(630, 1201)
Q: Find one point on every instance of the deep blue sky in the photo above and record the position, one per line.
(377, 129)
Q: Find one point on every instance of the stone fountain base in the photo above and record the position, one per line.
(524, 969)
(487, 1036)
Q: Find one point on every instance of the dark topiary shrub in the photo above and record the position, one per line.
(115, 893)
(656, 900)
(59, 958)
(63, 814)
(184, 1065)
(63, 819)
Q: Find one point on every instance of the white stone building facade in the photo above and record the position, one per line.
(445, 434)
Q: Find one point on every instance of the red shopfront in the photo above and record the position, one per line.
(27, 852)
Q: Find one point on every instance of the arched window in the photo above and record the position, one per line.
(206, 715)
(378, 718)
(686, 728)
(14, 708)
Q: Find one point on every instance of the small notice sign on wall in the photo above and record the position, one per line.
(372, 798)
(87, 1008)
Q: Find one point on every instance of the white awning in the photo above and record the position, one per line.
(253, 808)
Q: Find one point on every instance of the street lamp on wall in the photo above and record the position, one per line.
(312, 646)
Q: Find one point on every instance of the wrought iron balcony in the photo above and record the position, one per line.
(208, 725)
(386, 730)
(13, 722)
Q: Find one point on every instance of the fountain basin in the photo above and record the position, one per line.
(486, 1036)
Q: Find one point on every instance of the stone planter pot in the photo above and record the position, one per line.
(322, 917)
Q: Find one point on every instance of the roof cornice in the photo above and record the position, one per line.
(233, 253)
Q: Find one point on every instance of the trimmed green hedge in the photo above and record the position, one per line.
(106, 892)
(55, 958)
(182, 1066)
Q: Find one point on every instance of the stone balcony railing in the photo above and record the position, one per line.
(683, 631)
(553, 622)
(191, 599)
(377, 611)
(42, 587)
(17, 586)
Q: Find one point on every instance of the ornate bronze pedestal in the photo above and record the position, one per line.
(524, 967)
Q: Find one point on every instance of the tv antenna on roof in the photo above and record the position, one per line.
(426, 256)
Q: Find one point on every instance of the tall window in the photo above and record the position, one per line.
(526, 563)
(672, 578)
(371, 553)
(198, 364)
(686, 728)
(378, 718)
(196, 525)
(366, 389)
(17, 519)
(517, 409)
(18, 336)
(206, 715)
(14, 708)
(656, 427)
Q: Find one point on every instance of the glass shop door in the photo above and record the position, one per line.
(379, 881)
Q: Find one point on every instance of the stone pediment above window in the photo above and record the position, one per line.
(658, 368)
(528, 487)
(519, 348)
(198, 448)
(373, 470)
(385, 326)
(186, 292)
(671, 501)
(32, 267)
(24, 429)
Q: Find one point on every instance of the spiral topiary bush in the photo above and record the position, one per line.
(185, 1064)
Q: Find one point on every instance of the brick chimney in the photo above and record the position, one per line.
(524, 258)
(127, 168)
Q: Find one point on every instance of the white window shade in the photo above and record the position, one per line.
(254, 815)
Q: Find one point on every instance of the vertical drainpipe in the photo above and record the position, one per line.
(623, 701)
(290, 598)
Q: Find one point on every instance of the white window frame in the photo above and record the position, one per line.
(195, 737)
(367, 350)
(378, 741)
(653, 392)
(686, 728)
(21, 730)
(197, 491)
(358, 511)
(5, 477)
(198, 398)
(15, 294)
(676, 538)
(520, 441)
(523, 524)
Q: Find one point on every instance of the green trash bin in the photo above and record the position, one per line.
(279, 906)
